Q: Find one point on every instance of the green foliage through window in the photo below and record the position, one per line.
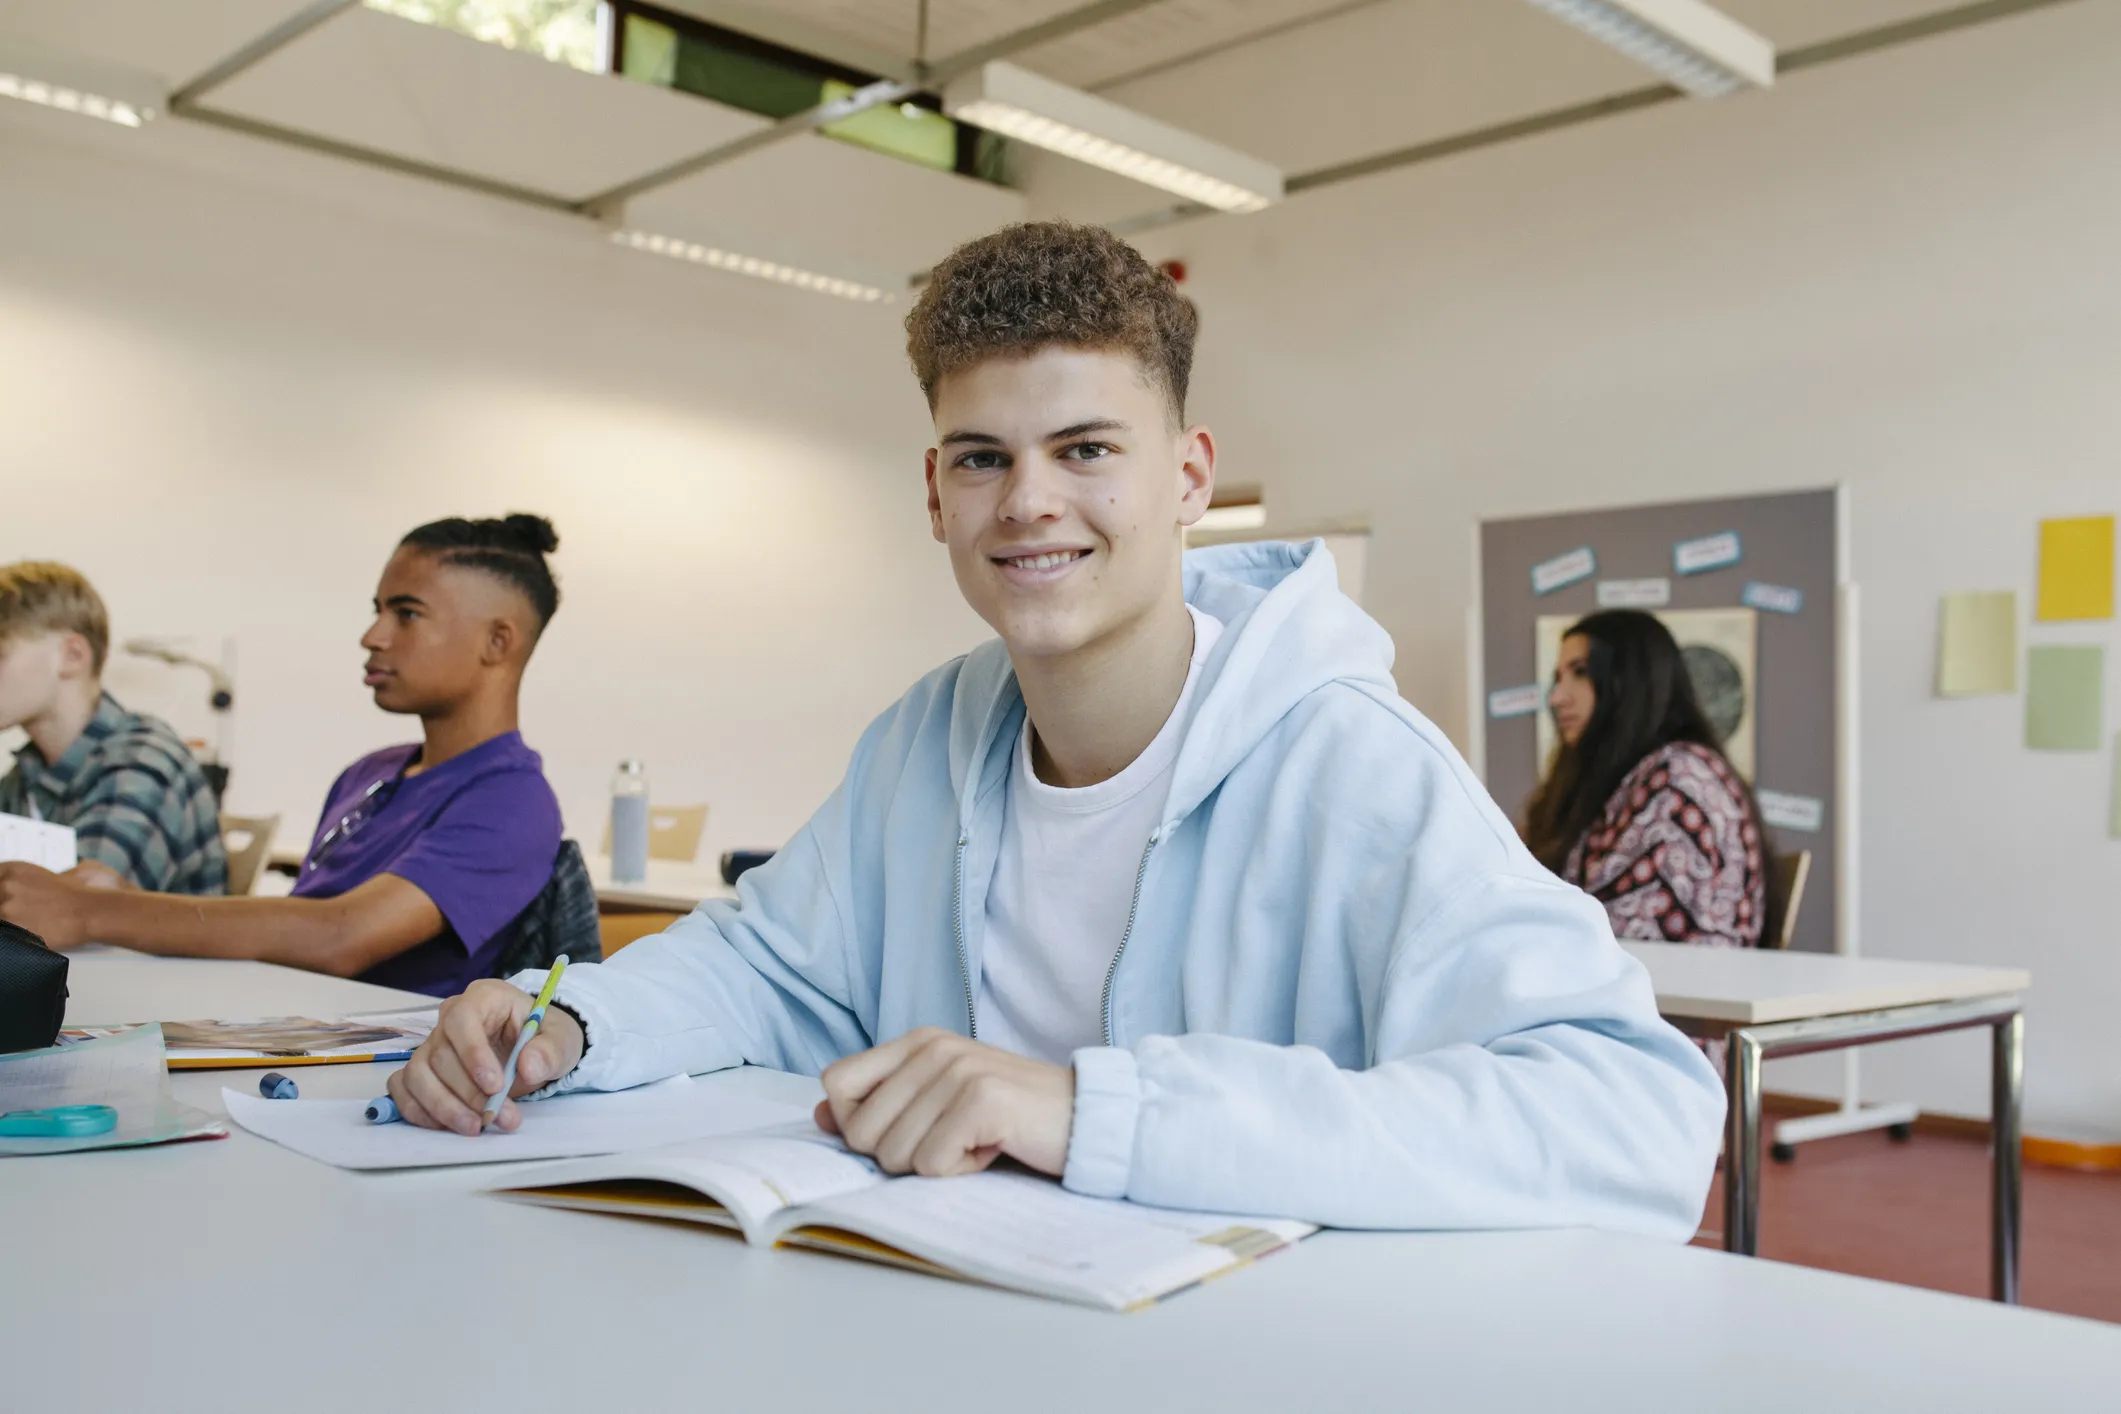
(564, 31)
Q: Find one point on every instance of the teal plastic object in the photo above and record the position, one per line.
(58, 1122)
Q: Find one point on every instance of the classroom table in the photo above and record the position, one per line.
(1768, 1003)
(218, 1274)
(672, 886)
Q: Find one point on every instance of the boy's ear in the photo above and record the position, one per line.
(1196, 473)
(76, 658)
(935, 500)
(502, 636)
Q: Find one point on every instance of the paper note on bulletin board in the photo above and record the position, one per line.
(1721, 656)
(1977, 644)
(2064, 697)
(2077, 569)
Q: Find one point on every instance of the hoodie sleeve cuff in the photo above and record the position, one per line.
(585, 1011)
(1107, 1103)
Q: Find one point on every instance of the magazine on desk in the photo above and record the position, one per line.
(252, 1042)
(796, 1186)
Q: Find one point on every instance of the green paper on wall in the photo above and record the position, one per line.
(2077, 568)
(1977, 644)
(2064, 697)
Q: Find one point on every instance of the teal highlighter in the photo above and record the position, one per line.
(58, 1122)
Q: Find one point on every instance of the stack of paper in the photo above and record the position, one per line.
(123, 1071)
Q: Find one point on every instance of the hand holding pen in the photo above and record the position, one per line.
(457, 1079)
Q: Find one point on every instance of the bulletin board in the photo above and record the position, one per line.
(1749, 587)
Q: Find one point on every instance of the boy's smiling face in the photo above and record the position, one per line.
(1060, 484)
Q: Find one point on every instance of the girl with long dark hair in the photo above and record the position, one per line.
(1640, 808)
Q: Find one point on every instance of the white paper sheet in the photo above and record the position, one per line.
(335, 1131)
(27, 841)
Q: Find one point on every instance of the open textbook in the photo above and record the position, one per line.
(796, 1186)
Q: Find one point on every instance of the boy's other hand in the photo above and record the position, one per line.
(43, 902)
(445, 1084)
(935, 1103)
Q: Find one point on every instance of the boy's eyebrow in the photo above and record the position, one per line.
(399, 601)
(1073, 429)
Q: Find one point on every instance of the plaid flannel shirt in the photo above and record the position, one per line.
(136, 798)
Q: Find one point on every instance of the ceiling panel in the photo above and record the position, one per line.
(174, 40)
(434, 96)
(829, 207)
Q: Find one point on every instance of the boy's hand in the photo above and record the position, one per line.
(44, 903)
(445, 1084)
(95, 874)
(934, 1103)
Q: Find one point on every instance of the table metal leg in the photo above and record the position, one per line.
(1741, 1146)
(2007, 1082)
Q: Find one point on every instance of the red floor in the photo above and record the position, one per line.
(1917, 1212)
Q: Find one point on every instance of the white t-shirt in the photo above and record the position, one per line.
(1063, 883)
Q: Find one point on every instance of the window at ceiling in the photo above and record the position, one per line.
(676, 51)
(564, 31)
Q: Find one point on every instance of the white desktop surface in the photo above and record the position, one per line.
(233, 1273)
(671, 886)
(1754, 986)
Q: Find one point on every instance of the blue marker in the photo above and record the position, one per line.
(382, 1110)
(276, 1086)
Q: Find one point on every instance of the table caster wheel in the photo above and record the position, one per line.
(1900, 1133)
(1783, 1153)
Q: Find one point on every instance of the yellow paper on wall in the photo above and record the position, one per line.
(2077, 568)
(1977, 644)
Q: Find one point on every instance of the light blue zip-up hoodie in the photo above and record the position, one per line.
(1347, 993)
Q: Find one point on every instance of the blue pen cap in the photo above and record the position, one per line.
(276, 1086)
(382, 1110)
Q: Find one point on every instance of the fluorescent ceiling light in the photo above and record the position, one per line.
(751, 265)
(1251, 517)
(72, 85)
(1020, 104)
(1699, 48)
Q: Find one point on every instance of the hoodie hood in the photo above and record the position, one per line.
(1287, 632)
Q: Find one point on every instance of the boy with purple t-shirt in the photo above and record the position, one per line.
(426, 852)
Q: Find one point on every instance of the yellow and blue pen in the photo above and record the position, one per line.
(530, 1029)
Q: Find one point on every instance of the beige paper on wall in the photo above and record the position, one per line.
(1977, 644)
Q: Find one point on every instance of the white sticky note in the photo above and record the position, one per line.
(1772, 598)
(38, 842)
(1634, 593)
(1564, 570)
(1791, 812)
(1516, 701)
(1710, 552)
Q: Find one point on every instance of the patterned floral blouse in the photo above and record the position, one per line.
(1677, 855)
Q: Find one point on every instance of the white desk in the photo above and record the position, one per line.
(1769, 1003)
(670, 887)
(210, 1276)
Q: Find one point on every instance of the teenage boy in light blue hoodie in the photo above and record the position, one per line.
(1166, 892)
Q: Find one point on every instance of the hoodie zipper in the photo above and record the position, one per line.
(1133, 907)
(957, 923)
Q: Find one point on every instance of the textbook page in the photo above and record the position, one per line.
(1023, 1231)
(754, 1176)
(27, 841)
(337, 1133)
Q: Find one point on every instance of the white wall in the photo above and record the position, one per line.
(1898, 272)
(235, 375)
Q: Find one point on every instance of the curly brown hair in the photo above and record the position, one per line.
(1041, 283)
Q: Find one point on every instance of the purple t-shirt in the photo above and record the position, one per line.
(477, 834)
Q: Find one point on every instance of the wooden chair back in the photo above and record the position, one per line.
(248, 839)
(1791, 872)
